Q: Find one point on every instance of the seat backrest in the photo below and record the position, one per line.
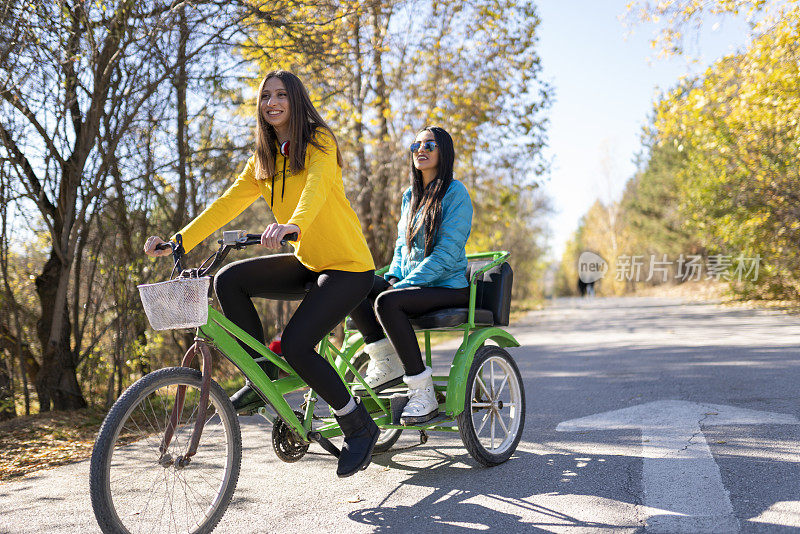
(494, 289)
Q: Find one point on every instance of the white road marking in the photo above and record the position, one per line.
(679, 473)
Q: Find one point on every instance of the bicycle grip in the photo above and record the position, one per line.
(255, 239)
(289, 237)
(163, 246)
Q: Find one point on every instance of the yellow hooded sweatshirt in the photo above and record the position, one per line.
(313, 199)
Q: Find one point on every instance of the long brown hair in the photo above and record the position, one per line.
(428, 200)
(304, 122)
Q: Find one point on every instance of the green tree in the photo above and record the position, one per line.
(739, 128)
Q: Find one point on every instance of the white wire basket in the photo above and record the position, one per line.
(178, 303)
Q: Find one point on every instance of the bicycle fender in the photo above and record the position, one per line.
(459, 369)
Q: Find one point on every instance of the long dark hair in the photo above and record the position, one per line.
(304, 121)
(428, 200)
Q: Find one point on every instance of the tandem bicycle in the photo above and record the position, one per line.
(168, 454)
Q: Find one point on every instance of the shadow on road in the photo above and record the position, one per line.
(467, 497)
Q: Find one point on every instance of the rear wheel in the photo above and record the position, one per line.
(134, 488)
(494, 408)
(388, 437)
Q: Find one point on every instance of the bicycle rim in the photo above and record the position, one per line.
(496, 404)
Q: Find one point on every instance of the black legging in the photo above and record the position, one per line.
(393, 307)
(327, 297)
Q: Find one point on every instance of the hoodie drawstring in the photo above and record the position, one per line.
(272, 187)
(283, 179)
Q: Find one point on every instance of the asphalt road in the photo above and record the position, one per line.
(702, 436)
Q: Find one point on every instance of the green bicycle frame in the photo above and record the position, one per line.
(221, 333)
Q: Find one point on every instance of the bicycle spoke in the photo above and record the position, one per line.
(147, 436)
(171, 492)
(502, 385)
(502, 424)
(164, 501)
(151, 486)
(483, 387)
(491, 428)
(198, 497)
(164, 409)
(215, 482)
(491, 379)
(483, 423)
(184, 486)
(157, 428)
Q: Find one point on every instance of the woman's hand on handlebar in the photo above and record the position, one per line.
(272, 236)
(152, 249)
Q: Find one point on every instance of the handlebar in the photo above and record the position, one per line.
(246, 240)
(233, 239)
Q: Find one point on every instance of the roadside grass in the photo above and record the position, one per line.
(42, 441)
(719, 293)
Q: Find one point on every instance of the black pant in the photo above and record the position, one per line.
(392, 309)
(327, 297)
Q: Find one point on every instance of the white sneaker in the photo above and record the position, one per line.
(384, 369)
(422, 405)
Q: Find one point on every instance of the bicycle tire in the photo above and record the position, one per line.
(111, 498)
(483, 448)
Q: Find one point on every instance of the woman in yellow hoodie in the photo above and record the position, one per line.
(297, 169)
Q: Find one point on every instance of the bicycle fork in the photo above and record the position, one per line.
(201, 347)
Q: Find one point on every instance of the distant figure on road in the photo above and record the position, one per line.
(585, 290)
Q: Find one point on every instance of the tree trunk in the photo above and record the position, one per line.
(57, 382)
(364, 187)
(382, 229)
(181, 81)
(7, 408)
(13, 344)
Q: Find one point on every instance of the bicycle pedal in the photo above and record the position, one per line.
(381, 391)
(397, 404)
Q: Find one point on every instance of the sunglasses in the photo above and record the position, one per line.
(429, 146)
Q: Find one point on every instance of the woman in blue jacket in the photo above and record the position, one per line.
(428, 272)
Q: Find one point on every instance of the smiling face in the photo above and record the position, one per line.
(424, 161)
(275, 103)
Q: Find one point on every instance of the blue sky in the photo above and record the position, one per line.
(604, 87)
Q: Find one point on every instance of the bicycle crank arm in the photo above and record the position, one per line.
(325, 443)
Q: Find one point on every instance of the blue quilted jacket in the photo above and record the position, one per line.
(447, 264)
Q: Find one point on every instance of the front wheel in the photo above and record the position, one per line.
(494, 408)
(135, 488)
